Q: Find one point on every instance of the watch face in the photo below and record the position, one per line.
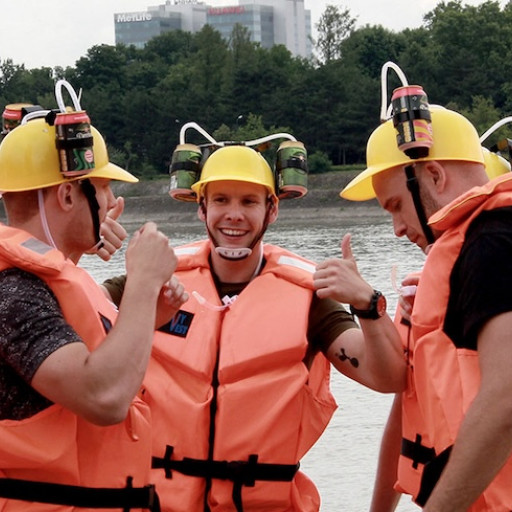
(381, 305)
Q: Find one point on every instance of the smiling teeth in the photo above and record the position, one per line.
(233, 232)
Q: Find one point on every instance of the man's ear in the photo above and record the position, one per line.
(66, 195)
(274, 211)
(201, 212)
(435, 173)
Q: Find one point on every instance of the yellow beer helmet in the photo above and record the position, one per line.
(235, 163)
(455, 138)
(29, 159)
(495, 165)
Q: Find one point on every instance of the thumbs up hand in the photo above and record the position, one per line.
(112, 233)
(339, 279)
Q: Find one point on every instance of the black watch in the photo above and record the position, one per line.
(376, 310)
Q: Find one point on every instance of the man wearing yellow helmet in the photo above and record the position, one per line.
(72, 430)
(458, 458)
(246, 360)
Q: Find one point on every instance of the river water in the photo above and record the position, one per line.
(342, 464)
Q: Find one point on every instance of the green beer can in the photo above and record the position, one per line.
(185, 170)
(291, 170)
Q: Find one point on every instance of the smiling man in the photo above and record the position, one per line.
(246, 361)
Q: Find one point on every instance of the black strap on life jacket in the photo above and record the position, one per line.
(240, 472)
(418, 453)
(431, 474)
(126, 498)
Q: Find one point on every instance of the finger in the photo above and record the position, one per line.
(112, 231)
(104, 254)
(110, 246)
(346, 248)
(176, 295)
(326, 265)
(411, 279)
(172, 283)
(322, 265)
(148, 227)
(117, 210)
(135, 237)
(322, 293)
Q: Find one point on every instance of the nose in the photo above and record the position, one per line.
(235, 211)
(399, 226)
(111, 199)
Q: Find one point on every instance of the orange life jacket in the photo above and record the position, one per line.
(447, 378)
(55, 446)
(416, 449)
(231, 385)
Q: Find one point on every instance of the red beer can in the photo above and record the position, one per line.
(412, 120)
(11, 116)
(74, 142)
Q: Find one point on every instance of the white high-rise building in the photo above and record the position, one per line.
(269, 22)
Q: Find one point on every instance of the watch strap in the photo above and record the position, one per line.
(376, 309)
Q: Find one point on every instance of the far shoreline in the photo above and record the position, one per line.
(149, 200)
(322, 205)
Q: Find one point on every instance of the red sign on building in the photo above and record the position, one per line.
(218, 11)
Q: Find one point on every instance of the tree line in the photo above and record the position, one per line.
(236, 90)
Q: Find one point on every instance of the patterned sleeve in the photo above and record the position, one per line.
(31, 322)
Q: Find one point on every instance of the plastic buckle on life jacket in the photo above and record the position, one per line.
(418, 453)
(165, 462)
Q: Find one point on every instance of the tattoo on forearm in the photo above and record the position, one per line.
(342, 356)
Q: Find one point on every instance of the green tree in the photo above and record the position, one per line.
(103, 64)
(369, 48)
(207, 76)
(242, 73)
(483, 114)
(168, 48)
(469, 41)
(318, 162)
(334, 26)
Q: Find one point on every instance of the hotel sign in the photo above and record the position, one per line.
(218, 11)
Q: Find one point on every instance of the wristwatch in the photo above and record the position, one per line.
(376, 310)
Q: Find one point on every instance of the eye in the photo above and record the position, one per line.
(253, 200)
(394, 206)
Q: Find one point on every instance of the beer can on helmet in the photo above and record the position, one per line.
(12, 115)
(412, 120)
(185, 170)
(291, 170)
(235, 163)
(454, 139)
(74, 142)
(29, 159)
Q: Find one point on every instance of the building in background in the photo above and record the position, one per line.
(269, 22)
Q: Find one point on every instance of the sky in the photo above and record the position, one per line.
(53, 33)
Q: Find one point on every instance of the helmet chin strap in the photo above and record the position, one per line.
(238, 253)
(232, 254)
(90, 194)
(44, 219)
(414, 189)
